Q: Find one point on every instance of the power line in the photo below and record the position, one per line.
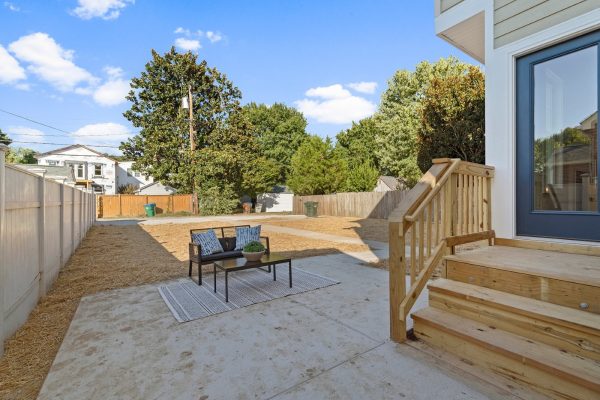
(57, 129)
(64, 144)
(71, 135)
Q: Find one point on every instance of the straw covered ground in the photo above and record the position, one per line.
(113, 257)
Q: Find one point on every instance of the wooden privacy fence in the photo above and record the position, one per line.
(449, 206)
(132, 205)
(42, 222)
(353, 204)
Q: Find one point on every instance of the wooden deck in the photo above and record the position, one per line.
(529, 317)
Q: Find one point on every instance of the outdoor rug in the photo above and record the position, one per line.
(189, 301)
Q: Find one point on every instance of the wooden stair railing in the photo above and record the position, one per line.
(449, 206)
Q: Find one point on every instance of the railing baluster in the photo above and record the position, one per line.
(429, 227)
(476, 204)
(438, 214)
(465, 204)
(413, 253)
(421, 240)
(459, 220)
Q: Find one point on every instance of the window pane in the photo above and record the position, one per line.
(566, 132)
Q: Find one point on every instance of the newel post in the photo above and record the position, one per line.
(397, 280)
(3, 151)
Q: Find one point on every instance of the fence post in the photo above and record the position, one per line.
(3, 150)
(42, 231)
(72, 220)
(62, 224)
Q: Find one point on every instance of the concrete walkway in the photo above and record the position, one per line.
(330, 343)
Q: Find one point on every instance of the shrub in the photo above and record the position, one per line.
(254, 247)
(127, 189)
(216, 201)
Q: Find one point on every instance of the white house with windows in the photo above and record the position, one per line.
(92, 169)
(127, 176)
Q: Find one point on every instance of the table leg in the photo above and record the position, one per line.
(274, 272)
(226, 288)
(290, 270)
(215, 278)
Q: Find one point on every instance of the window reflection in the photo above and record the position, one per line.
(566, 132)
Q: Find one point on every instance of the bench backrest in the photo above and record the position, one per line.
(221, 231)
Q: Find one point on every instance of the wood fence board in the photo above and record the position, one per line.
(132, 205)
(353, 204)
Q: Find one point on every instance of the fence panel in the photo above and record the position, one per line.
(353, 204)
(132, 205)
(40, 227)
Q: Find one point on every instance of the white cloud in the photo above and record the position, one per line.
(105, 9)
(11, 6)
(329, 92)
(25, 133)
(214, 37)
(335, 105)
(187, 44)
(363, 87)
(10, 70)
(108, 133)
(50, 62)
(182, 31)
(114, 90)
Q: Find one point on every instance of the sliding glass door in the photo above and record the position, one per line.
(557, 141)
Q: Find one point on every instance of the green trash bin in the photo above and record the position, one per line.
(310, 208)
(150, 209)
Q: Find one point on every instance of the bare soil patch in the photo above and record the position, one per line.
(112, 257)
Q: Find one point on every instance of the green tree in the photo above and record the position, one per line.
(4, 139)
(162, 147)
(453, 118)
(317, 168)
(362, 178)
(359, 143)
(21, 155)
(280, 130)
(546, 147)
(399, 120)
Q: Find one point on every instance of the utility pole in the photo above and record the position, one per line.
(192, 149)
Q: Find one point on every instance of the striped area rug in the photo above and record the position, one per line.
(189, 301)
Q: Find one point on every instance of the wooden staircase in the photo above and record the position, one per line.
(523, 315)
(499, 310)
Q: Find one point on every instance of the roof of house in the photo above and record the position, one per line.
(152, 184)
(390, 181)
(52, 171)
(74, 146)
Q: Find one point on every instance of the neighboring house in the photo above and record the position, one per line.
(541, 65)
(61, 174)
(127, 176)
(92, 169)
(388, 183)
(280, 199)
(155, 188)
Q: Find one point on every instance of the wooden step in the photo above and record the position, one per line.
(555, 373)
(572, 280)
(572, 330)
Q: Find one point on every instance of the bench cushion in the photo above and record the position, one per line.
(245, 235)
(222, 256)
(209, 244)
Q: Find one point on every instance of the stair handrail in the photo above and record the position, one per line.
(444, 209)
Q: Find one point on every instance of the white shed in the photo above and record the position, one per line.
(155, 188)
(280, 199)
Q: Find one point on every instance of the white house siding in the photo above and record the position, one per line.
(88, 159)
(41, 223)
(127, 176)
(445, 5)
(156, 189)
(276, 202)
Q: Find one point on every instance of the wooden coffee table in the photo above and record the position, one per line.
(240, 264)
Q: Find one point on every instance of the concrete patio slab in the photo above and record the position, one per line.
(125, 344)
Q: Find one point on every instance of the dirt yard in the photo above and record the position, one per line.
(113, 257)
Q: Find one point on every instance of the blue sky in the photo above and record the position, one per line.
(66, 63)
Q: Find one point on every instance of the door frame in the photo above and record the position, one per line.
(574, 225)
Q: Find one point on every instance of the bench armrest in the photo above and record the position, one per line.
(195, 250)
(265, 241)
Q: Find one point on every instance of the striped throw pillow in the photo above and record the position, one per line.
(245, 235)
(209, 244)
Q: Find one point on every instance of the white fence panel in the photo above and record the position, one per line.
(41, 223)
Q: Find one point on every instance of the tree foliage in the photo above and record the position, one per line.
(280, 130)
(359, 144)
(21, 155)
(544, 148)
(453, 118)
(4, 139)
(317, 168)
(362, 178)
(226, 148)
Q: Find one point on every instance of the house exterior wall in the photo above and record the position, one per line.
(520, 36)
(126, 176)
(445, 5)
(158, 189)
(514, 20)
(276, 202)
(88, 159)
